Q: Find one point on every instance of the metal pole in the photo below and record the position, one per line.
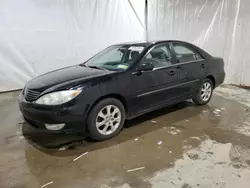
(146, 19)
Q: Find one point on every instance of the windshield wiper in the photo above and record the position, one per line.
(95, 67)
(83, 65)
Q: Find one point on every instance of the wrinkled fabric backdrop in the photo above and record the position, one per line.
(37, 36)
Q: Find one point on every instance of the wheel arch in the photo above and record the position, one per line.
(211, 77)
(112, 95)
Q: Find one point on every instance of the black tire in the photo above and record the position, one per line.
(91, 121)
(197, 98)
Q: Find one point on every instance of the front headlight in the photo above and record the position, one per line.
(58, 97)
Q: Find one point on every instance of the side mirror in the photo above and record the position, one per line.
(146, 66)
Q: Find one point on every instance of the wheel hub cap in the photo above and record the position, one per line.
(108, 119)
(206, 91)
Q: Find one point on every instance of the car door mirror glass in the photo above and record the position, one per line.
(146, 66)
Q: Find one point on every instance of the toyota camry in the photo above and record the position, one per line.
(120, 83)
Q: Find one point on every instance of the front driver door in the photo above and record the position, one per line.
(155, 87)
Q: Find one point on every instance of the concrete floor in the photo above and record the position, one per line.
(183, 146)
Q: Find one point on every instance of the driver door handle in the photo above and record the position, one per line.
(137, 73)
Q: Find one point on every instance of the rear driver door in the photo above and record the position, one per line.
(191, 68)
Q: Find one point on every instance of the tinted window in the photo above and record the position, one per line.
(185, 54)
(160, 55)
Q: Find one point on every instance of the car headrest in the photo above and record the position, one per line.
(134, 54)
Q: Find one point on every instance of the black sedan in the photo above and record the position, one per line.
(121, 82)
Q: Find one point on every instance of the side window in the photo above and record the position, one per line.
(161, 56)
(185, 54)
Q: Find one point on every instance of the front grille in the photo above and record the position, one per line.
(31, 95)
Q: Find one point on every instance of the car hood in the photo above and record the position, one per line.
(65, 76)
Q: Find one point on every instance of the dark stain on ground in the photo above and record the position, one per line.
(238, 166)
(193, 156)
(186, 186)
(248, 162)
(210, 153)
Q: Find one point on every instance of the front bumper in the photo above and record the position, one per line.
(38, 115)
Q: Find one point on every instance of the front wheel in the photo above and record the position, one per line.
(204, 95)
(106, 119)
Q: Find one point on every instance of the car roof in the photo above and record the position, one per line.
(148, 43)
(136, 43)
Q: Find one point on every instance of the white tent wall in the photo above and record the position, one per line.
(42, 35)
(222, 27)
(37, 36)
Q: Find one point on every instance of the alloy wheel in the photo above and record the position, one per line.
(206, 91)
(108, 119)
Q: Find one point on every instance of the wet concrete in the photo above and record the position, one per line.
(179, 146)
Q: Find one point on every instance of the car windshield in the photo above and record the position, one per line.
(118, 57)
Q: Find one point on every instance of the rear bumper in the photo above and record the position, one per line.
(37, 116)
(219, 79)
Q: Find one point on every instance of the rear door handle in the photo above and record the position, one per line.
(202, 65)
(172, 73)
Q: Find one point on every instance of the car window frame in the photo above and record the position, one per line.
(157, 45)
(191, 49)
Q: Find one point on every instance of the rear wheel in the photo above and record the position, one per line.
(106, 119)
(204, 95)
